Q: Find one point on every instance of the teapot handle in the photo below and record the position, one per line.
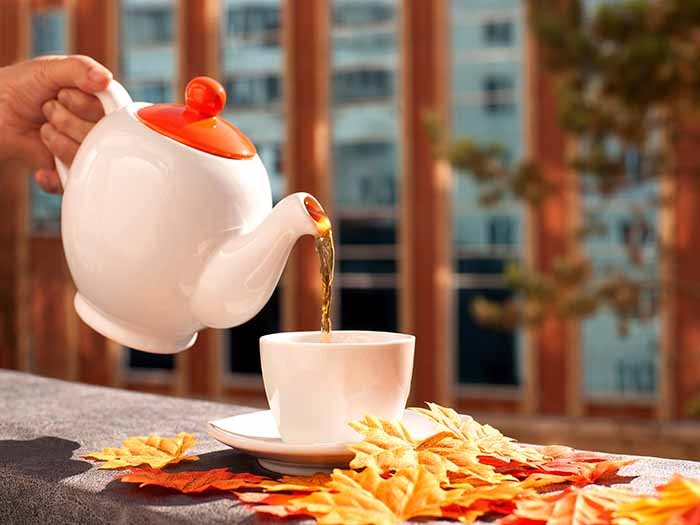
(113, 98)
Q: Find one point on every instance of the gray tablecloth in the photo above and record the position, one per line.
(45, 425)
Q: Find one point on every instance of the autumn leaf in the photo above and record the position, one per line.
(279, 505)
(192, 482)
(365, 497)
(469, 468)
(314, 483)
(154, 451)
(487, 439)
(566, 470)
(388, 446)
(474, 502)
(573, 506)
(678, 503)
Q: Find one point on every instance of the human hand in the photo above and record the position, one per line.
(47, 107)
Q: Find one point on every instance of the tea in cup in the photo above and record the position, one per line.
(316, 388)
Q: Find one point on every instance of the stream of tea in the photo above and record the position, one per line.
(326, 257)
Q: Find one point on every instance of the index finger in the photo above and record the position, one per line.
(75, 71)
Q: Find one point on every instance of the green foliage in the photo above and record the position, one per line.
(626, 74)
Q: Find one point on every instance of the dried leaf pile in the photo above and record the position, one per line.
(463, 472)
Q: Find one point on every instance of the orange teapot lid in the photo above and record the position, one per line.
(197, 124)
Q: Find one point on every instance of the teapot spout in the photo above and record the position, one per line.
(242, 274)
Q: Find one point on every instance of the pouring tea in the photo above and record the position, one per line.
(167, 221)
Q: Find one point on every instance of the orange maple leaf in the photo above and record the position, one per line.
(388, 446)
(279, 505)
(678, 503)
(192, 482)
(153, 450)
(488, 440)
(313, 483)
(367, 498)
(477, 501)
(573, 506)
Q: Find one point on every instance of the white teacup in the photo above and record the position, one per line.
(314, 389)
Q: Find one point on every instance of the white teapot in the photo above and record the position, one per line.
(167, 221)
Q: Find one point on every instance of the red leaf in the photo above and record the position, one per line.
(191, 482)
(271, 503)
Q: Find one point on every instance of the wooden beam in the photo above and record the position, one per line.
(51, 355)
(425, 267)
(684, 361)
(198, 41)
(14, 46)
(553, 345)
(198, 369)
(94, 32)
(306, 161)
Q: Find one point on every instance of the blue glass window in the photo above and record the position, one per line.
(48, 38)
(487, 75)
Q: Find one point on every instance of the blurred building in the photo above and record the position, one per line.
(591, 370)
(487, 91)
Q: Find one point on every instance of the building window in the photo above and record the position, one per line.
(255, 24)
(254, 92)
(485, 240)
(356, 14)
(244, 346)
(159, 90)
(498, 94)
(150, 26)
(361, 84)
(147, 361)
(497, 33)
(501, 231)
(48, 36)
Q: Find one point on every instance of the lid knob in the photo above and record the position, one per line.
(205, 96)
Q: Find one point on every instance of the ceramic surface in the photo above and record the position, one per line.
(314, 388)
(256, 434)
(163, 240)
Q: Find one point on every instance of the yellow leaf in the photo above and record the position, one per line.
(465, 458)
(366, 498)
(155, 451)
(487, 439)
(678, 503)
(313, 483)
(388, 446)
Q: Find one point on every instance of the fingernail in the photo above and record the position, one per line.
(98, 75)
(46, 131)
(47, 108)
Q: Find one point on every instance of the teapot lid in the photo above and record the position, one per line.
(197, 124)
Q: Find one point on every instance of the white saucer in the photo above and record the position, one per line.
(256, 434)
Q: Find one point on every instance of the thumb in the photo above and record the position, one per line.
(75, 71)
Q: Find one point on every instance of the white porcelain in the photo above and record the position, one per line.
(256, 434)
(315, 388)
(163, 240)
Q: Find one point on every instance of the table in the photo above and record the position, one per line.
(46, 424)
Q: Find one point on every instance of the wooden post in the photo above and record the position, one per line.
(425, 269)
(306, 162)
(94, 32)
(684, 325)
(553, 345)
(14, 46)
(199, 368)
